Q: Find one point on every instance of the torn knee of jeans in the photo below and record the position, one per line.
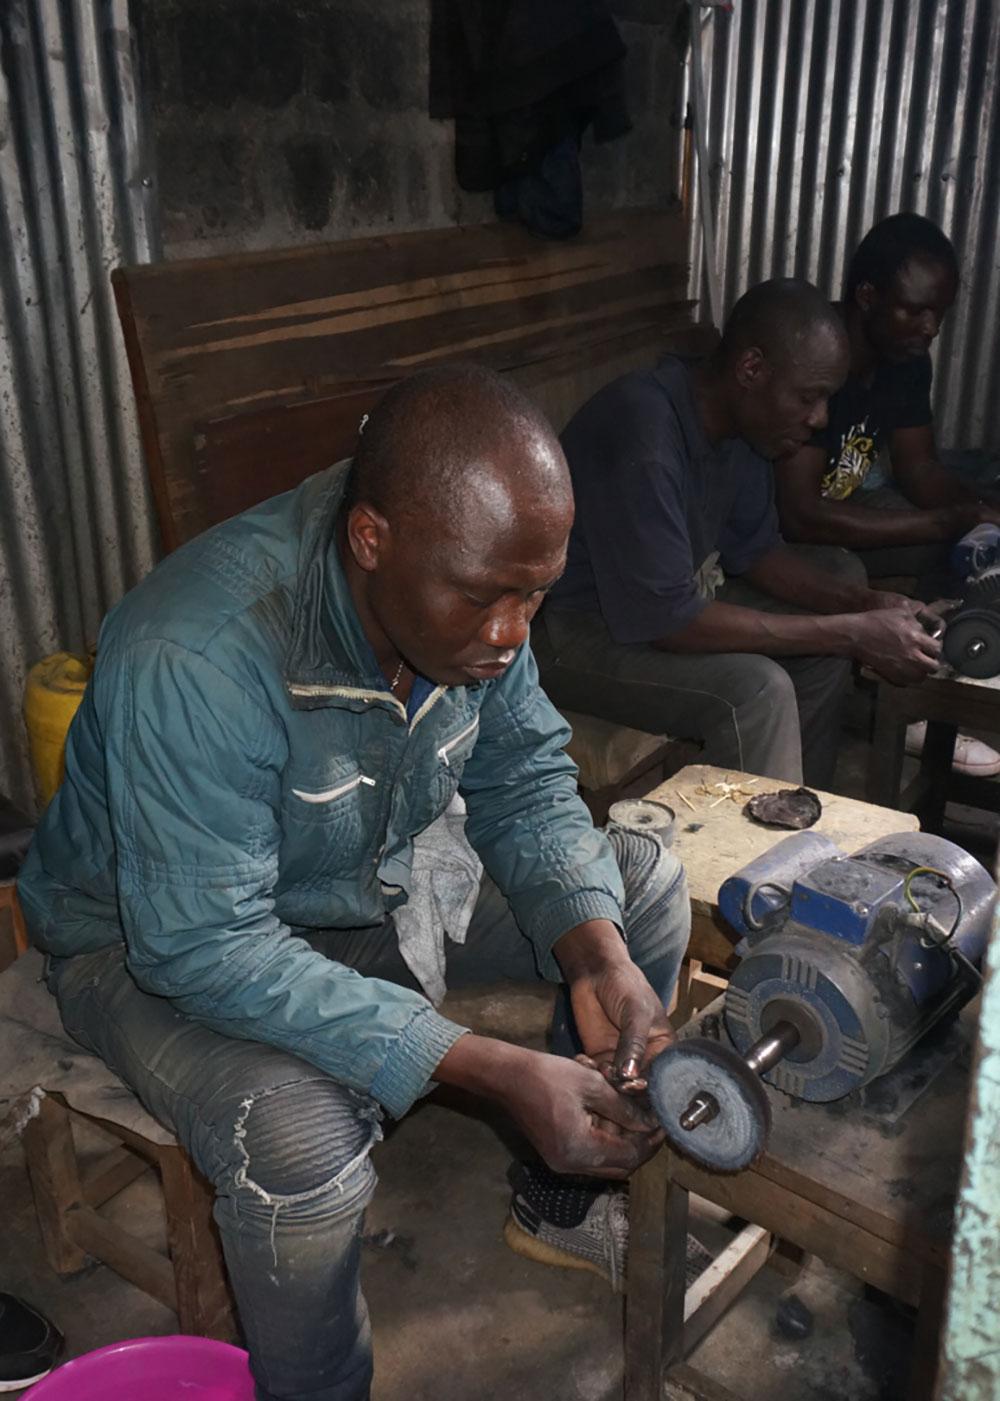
(295, 1143)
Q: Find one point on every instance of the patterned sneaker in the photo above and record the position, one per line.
(577, 1223)
(29, 1344)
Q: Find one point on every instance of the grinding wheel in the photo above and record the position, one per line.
(972, 642)
(737, 1135)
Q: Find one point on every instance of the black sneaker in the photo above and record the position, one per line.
(29, 1344)
(578, 1223)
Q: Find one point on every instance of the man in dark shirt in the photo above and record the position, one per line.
(673, 494)
(900, 284)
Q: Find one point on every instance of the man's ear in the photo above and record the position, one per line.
(367, 536)
(865, 295)
(752, 368)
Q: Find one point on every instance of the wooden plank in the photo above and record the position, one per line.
(818, 1231)
(55, 1183)
(925, 1363)
(131, 1258)
(204, 1306)
(714, 842)
(721, 1284)
(657, 1258)
(111, 1174)
(211, 338)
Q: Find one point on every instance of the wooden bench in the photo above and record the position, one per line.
(252, 371)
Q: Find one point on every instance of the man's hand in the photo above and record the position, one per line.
(621, 1021)
(883, 598)
(568, 1111)
(894, 643)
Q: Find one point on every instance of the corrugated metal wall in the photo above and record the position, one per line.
(75, 523)
(826, 115)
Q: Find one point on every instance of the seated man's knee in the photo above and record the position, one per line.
(657, 906)
(301, 1137)
(765, 685)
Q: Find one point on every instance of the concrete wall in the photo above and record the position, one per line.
(285, 121)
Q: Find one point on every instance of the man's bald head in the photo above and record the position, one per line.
(457, 519)
(454, 438)
(784, 351)
(781, 318)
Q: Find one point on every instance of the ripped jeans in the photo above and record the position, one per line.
(288, 1149)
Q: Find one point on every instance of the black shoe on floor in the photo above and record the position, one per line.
(29, 1344)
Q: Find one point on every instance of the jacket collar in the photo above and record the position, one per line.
(329, 660)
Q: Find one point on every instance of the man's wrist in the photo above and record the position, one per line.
(481, 1065)
(588, 948)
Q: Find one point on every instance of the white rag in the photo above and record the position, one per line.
(444, 887)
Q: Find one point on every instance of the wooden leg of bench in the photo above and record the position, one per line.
(657, 1266)
(204, 1306)
(885, 762)
(55, 1183)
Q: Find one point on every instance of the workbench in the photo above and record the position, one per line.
(948, 703)
(714, 839)
(867, 1184)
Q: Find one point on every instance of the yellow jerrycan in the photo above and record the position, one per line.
(52, 695)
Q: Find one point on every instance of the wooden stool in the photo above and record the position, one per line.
(191, 1280)
(191, 1277)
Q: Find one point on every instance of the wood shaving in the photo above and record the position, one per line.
(719, 792)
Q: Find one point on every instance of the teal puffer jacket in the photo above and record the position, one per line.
(238, 772)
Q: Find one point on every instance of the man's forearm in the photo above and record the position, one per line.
(867, 528)
(726, 627)
(933, 488)
(786, 576)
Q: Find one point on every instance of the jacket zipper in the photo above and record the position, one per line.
(346, 692)
(446, 749)
(330, 793)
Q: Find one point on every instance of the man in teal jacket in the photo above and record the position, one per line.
(277, 712)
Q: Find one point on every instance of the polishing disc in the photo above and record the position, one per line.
(738, 1133)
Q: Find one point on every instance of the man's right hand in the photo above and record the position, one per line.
(568, 1111)
(896, 645)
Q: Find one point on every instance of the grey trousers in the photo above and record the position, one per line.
(288, 1149)
(776, 716)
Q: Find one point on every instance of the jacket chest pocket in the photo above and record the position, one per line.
(451, 757)
(328, 825)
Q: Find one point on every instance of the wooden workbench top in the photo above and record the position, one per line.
(714, 839)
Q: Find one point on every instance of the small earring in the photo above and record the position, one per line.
(361, 425)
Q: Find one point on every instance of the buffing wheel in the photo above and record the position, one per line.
(972, 642)
(737, 1134)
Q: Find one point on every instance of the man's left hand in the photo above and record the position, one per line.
(621, 1021)
(882, 598)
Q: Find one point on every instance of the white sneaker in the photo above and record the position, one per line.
(972, 756)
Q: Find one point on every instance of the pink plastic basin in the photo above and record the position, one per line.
(177, 1368)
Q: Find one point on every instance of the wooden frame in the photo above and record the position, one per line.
(191, 1280)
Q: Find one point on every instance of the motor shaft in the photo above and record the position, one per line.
(762, 1056)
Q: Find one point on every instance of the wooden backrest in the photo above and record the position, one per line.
(252, 371)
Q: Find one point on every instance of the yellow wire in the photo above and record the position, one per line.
(923, 871)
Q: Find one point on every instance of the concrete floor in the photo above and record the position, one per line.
(456, 1315)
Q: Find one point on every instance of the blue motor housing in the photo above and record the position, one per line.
(862, 953)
